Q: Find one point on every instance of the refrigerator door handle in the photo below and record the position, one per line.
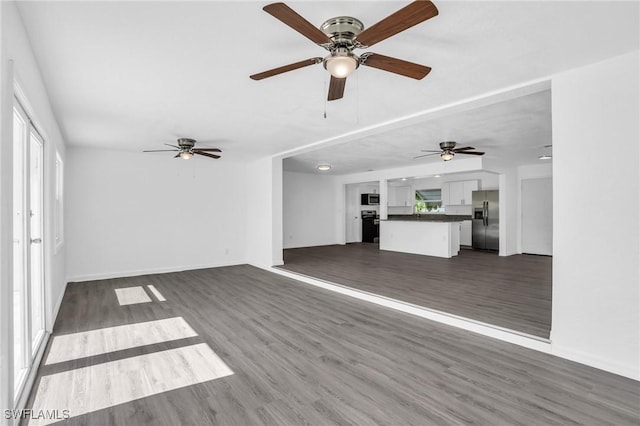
(485, 214)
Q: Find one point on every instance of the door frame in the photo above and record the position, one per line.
(18, 392)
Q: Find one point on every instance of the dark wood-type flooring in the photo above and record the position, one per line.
(304, 355)
(513, 292)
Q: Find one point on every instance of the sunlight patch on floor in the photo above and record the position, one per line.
(132, 295)
(88, 389)
(97, 342)
(156, 293)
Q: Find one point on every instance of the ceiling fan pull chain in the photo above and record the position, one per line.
(324, 90)
(358, 99)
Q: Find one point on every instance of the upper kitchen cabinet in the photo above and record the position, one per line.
(400, 196)
(458, 193)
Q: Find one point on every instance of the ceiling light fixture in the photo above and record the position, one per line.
(403, 179)
(544, 157)
(341, 63)
(447, 155)
(185, 155)
(436, 176)
(323, 167)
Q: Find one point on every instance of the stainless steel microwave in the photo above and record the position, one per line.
(370, 199)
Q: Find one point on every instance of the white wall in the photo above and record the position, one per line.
(310, 210)
(537, 216)
(18, 65)
(509, 207)
(541, 170)
(334, 225)
(135, 213)
(596, 250)
(16, 48)
(264, 224)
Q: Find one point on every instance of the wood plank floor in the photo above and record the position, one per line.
(513, 292)
(304, 355)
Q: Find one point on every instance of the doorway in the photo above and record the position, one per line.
(28, 254)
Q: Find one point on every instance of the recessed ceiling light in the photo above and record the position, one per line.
(544, 157)
(436, 176)
(403, 179)
(323, 167)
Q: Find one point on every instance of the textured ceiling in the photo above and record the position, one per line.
(512, 132)
(134, 75)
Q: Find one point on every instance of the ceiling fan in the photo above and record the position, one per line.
(343, 34)
(186, 149)
(448, 150)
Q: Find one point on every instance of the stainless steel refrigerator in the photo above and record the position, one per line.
(486, 218)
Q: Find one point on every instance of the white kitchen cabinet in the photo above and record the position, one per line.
(465, 233)
(467, 194)
(391, 195)
(400, 196)
(458, 193)
(444, 194)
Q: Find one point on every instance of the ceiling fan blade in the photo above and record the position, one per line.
(161, 150)
(195, 151)
(464, 148)
(285, 68)
(336, 88)
(208, 149)
(290, 17)
(178, 155)
(470, 153)
(174, 146)
(395, 65)
(410, 15)
(427, 155)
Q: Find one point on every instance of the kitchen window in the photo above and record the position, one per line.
(429, 201)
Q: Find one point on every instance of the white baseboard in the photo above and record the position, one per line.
(325, 244)
(135, 273)
(500, 333)
(628, 371)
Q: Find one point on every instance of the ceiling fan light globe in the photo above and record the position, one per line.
(447, 155)
(341, 66)
(185, 155)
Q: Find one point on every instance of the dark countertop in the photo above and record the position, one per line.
(428, 217)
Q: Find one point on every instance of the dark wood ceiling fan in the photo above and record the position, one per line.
(343, 34)
(448, 150)
(186, 149)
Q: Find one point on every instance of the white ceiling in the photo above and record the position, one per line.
(134, 75)
(511, 132)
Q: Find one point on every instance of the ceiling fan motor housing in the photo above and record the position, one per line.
(447, 145)
(186, 143)
(342, 30)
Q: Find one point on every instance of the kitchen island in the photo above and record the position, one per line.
(429, 235)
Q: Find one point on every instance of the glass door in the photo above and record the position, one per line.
(20, 297)
(36, 225)
(28, 254)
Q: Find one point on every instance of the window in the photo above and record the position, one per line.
(59, 203)
(429, 201)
